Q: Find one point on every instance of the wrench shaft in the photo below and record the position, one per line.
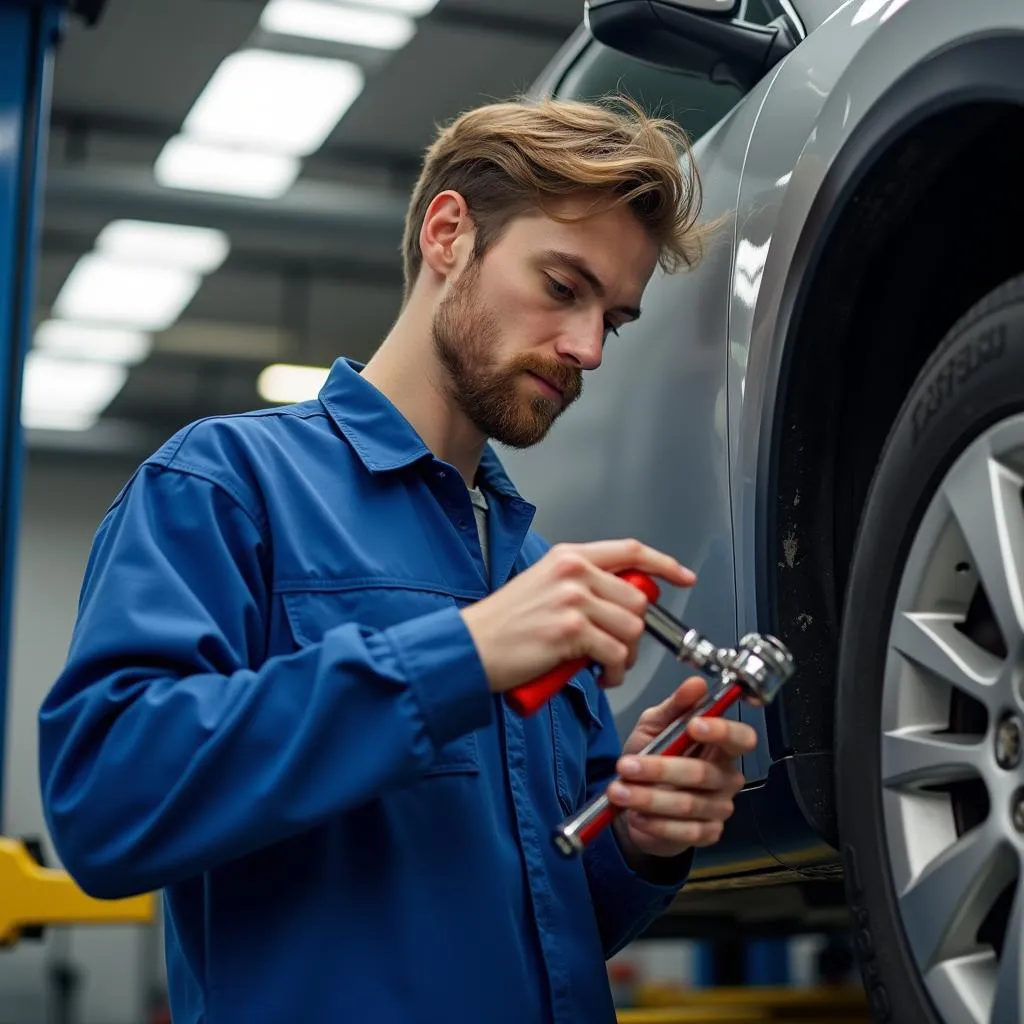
(575, 833)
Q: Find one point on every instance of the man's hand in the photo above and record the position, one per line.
(568, 605)
(673, 803)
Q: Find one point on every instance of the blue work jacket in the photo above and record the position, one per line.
(273, 712)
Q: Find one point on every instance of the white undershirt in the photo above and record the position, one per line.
(480, 512)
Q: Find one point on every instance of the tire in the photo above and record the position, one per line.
(912, 554)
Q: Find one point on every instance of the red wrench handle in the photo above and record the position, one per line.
(578, 831)
(529, 697)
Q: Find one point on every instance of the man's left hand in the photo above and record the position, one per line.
(674, 803)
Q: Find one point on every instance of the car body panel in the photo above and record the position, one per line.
(834, 90)
(670, 442)
(623, 463)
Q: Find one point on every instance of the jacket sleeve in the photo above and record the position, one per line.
(626, 901)
(170, 744)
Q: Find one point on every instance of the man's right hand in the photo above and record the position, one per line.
(569, 605)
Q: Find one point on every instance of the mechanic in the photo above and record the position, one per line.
(282, 703)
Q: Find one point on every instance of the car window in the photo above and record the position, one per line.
(693, 101)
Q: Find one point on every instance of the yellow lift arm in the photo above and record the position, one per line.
(33, 896)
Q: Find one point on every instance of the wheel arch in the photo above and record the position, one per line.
(901, 237)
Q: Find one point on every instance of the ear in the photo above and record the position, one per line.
(446, 234)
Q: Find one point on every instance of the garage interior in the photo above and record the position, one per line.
(288, 260)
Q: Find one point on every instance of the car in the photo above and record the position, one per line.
(825, 419)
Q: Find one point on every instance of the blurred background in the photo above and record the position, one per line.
(286, 136)
(223, 211)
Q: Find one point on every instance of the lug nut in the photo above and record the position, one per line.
(1018, 810)
(1008, 742)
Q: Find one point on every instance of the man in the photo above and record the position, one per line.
(283, 702)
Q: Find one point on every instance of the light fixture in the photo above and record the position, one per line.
(97, 342)
(336, 23)
(57, 419)
(169, 245)
(284, 383)
(67, 394)
(413, 8)
(274, 102)
(202, 167)
(110, 291)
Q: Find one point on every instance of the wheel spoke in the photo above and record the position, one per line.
(932, 641)
(1009, 1000)
(985, 497)
(963, 987)
(943, 907)
(919, 757)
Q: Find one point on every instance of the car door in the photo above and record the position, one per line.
(645, 453)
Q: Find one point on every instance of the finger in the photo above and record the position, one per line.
(682, 805)
(617, 555)
(732, 738)
(682, 833)
(685, 697)
(613, 637)
(674, 772)
(612, 655)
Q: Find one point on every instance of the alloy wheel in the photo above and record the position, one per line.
(953, 736)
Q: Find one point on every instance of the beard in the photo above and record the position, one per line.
(466, 336)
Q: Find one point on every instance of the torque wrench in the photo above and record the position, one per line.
(755, 671)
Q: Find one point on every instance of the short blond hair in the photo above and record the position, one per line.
(508, 158)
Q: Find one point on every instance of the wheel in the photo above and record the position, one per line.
(930, 689)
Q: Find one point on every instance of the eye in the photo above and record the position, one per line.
(561, 291)
(611, 328)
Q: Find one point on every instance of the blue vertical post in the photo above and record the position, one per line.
(29, 31)
(768, 962)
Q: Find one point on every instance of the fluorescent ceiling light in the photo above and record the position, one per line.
(316, 19)
(188, 164)
(275, 102)
(169, 245)
(98, 342)
(126, 294)
(59, 390)
(286, 384)
(414, 8)
(57, 419)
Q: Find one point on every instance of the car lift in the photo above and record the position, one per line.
(31, 895)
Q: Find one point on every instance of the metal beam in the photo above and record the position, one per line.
(81, 124)
(313, 218)
(260, 260)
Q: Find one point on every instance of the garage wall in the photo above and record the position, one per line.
(64, 499)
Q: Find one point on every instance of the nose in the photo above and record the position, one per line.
(583, 346)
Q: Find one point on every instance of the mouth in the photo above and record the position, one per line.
(551, 390)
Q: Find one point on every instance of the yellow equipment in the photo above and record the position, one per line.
(33, 896)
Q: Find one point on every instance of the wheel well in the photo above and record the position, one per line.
(932, 226)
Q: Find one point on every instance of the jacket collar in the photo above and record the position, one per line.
(381, 436)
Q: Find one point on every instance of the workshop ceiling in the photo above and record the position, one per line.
(310, 274)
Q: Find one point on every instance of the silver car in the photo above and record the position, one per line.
(826, 421)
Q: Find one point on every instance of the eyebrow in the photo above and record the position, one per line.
(579, 265)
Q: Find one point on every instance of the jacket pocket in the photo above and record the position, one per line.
(575, 719)
(314, 609)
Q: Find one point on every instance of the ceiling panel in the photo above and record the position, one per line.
(246, 297)
(562, 13)
(444, 70)
(52, 271)
(350, 320)
(149, 57)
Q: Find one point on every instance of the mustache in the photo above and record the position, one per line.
(568, 379)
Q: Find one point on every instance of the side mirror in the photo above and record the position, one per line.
(88, 10)
(700, 37)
